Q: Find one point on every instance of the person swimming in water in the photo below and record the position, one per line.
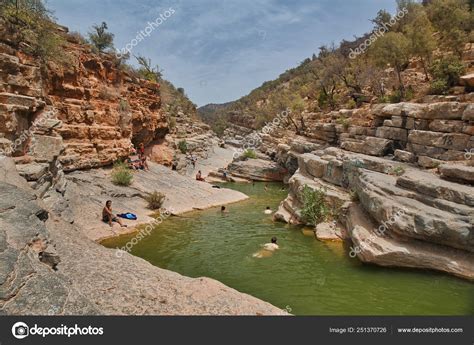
(271, 246)
(224, 210)
(268, 210)
(268, 249)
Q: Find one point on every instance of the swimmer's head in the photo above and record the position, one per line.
(223, 208)
(268, 207)
(274, 240)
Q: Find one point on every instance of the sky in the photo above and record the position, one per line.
(220, 50)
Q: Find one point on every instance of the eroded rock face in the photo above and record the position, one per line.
(405, 217)
(87, 114)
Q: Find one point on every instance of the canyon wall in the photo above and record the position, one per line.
(87, 112)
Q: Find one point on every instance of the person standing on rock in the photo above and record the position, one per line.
(141, 150)
(108, 216)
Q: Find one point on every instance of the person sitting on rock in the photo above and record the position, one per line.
(199, 176)
(144, 163)
(108, 216)
(268, 210)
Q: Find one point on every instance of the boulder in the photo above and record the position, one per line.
(330, 231)
(33, 171)
(404, 156)
(46, 148)
(428, 163)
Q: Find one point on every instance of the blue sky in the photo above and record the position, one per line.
(219, 50)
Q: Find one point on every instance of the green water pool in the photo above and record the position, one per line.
(305, 276)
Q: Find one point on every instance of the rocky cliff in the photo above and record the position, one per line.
(87, 113)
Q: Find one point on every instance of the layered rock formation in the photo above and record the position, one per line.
(87, 113)
(426, 222)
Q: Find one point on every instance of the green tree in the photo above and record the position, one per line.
(393, 49)
(382, 18)
(147, 71)
(419, 32)
(453, 20)
(100, 38)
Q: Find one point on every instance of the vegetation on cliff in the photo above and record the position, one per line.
(32, 29)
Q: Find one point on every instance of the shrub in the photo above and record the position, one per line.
(315, 207)
(398, 171)
(172, 122)
(100, 38)
(121, 174)
(249, 153)
(344, 122)
(439, 87)
(448, 69)
(155, 200)
(183, 146)
(351, 104)
(395, 97)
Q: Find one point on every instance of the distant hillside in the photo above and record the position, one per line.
(392, 63)
(214, 115)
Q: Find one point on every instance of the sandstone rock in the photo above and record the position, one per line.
(446, 126)
(32, 171)
(400, 109)
(393, 133)
(426, 208)
(428, 163)
(330, 232)
(398, 252)
(468, 80)
(452, 141)
(257, 170)
(312, 165)
(404, 156)
(468, 114)
(370, 146)
(46, 148)
(461, 173)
